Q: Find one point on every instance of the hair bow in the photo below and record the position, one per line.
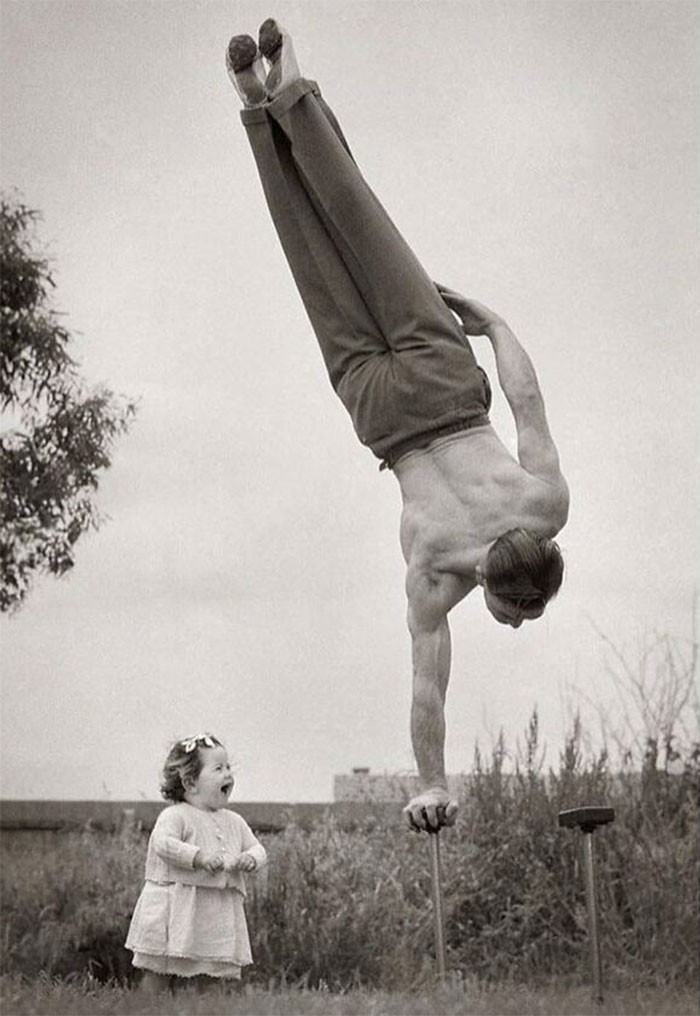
(190, 743)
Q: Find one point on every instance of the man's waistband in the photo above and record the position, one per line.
(418, 441)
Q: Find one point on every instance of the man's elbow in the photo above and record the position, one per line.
(423, 620)
(526, 399)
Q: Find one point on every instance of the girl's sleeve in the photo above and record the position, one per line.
(251, 845)
(168, 840)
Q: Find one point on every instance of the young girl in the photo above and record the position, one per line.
(189, 919)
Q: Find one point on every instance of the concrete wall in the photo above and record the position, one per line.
(364, 785)
(360, 798)
(266, 816)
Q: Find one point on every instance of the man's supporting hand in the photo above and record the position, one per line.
(431, 810)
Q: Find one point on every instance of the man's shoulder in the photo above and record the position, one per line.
(433, 591)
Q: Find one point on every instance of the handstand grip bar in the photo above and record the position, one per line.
(588, 819)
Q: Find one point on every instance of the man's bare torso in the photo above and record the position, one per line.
(459, 495)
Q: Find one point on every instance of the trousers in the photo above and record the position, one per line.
(395, 355)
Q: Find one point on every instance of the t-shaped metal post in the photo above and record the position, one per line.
(438, 913)
(588, 819)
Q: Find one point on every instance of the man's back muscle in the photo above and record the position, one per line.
(461, 494)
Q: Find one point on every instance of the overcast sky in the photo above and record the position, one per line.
(539, 156)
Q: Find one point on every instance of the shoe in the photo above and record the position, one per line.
(275, 44)
(269, 38)
(246, 70)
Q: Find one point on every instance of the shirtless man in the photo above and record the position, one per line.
(404, 369)
(473, 515)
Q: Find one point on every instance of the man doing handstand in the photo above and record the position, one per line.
(404, 369)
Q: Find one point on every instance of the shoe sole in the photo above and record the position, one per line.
(269, 38)
(242, 52)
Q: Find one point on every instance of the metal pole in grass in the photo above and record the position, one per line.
(588, 819)
(438, 912)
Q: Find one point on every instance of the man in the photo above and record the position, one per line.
(405, 371)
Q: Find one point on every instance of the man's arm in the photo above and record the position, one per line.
(431, 651)
(537, 452)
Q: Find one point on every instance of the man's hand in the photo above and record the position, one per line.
(475, 317)
(431, 810)
(244, 862)
(209, 862)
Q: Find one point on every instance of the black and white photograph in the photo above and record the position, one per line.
(348, 535)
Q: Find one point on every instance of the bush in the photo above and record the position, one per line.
(347, 908)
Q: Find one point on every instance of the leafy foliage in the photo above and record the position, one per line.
(63, 430)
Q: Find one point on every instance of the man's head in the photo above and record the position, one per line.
(522, 571)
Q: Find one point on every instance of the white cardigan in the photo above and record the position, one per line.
(181, 830)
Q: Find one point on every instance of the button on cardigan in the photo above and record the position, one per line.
(181, 830)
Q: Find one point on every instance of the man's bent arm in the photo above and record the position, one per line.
(516, 372)
(537, 452)
(518, 380)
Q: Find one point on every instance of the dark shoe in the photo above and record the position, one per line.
(246, 71)
(269, 39)
(276, 46)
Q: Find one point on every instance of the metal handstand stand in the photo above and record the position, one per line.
(438, 912)
(588, 819)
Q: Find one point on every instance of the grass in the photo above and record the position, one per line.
(342, 922)
(459, 998)
(350, 908)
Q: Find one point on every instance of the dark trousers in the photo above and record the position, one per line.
(395, 354)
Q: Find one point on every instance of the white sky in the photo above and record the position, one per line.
(540, 156)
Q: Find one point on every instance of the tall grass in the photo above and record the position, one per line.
(342, 909)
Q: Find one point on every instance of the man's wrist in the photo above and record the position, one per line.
(497, 329)
(437, 785)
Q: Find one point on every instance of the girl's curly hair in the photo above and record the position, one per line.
(183, 764)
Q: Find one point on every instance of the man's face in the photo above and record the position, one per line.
(507, 612)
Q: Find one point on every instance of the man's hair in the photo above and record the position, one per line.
(524, 568)
(184, 762)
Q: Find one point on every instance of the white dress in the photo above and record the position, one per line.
(181, 925)
(189, 929)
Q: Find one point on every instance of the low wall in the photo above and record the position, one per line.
(262, 816)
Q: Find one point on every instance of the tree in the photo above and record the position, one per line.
(61, 431)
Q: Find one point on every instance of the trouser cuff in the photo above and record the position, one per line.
(282, 103)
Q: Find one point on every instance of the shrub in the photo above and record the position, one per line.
(346, 908)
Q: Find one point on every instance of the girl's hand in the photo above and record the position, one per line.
(209, 862)
(476, 318)
(244, 862)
